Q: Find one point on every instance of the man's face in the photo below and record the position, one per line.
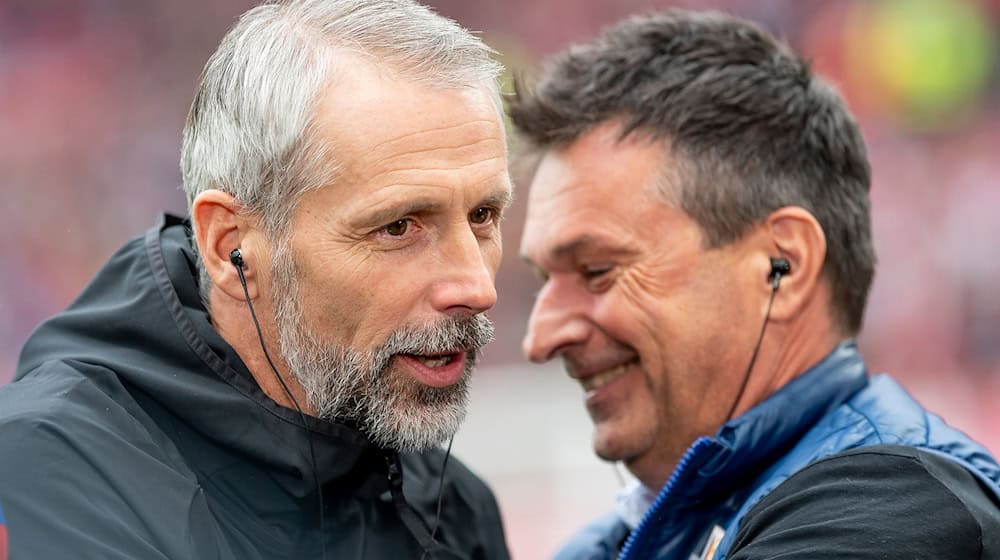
(656, 328)
(380, 290)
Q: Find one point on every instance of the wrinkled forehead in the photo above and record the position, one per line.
(368, 112)
(392, 139)
(399, 146)
(599, 182)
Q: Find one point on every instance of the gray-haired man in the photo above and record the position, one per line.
(272, 377)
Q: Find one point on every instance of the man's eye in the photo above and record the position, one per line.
(593, 272)
(482, 215)
(397, 228)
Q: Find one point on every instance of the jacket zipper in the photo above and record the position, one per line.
(634, 544)
(413, 522)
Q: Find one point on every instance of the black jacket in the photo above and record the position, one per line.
(133, 430)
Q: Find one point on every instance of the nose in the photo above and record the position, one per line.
(469, 272)
(556, 323)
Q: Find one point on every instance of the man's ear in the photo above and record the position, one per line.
(217, 220)
(799, 239)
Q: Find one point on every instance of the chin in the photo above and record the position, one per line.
(612, 446)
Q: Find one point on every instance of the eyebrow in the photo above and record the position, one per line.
(568, 250)
(499, 198)
(586, 243)
(396, 211)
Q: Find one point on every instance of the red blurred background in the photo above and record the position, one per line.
(93, 95)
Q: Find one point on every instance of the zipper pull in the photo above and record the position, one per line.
(393, 472)
(417, 526)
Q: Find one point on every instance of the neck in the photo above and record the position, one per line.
(234, 323)
(789, 348)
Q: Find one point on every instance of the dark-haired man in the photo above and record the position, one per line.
(700, 217)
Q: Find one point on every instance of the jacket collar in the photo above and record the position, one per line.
(224, 402)
(746, 445)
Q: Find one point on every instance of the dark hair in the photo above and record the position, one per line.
(749, 125)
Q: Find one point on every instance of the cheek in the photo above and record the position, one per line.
(333, 305)
(492, 251)
(637, 311)
(356, 300)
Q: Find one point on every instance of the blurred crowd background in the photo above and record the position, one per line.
(93, 96)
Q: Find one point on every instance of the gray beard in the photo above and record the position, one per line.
(360, 387)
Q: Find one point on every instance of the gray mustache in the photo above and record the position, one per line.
(446, 335)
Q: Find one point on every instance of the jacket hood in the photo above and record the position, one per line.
(142, 318)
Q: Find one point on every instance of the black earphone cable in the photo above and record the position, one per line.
(776, 273)
(237, 261)
(437, 516)
(444, 465)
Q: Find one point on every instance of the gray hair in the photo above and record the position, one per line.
(249, 132)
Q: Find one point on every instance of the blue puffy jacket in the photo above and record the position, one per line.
(831, 408)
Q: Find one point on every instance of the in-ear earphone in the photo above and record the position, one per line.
(236, 257)
(779, 268)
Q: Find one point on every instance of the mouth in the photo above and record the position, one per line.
(436, 370)
(434, 360)
(597, 380)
